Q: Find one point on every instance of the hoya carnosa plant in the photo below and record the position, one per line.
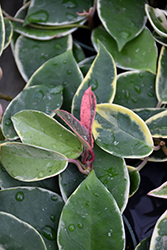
(83, 129)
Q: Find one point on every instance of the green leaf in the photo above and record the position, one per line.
(28, 163)
(2, 32)
(160, 192)
(113, 173)
(134, 180)
(158, 239)
(43, 98)
(123, 20)
(121, 132)
(40, 34)
(136, 89)
(17, 234)
(64, 71)
(140, 53)
(144, 244)
(87, 219)
(30, 54)
(160, 39)
(46, 207)
(37, 128)
(103, 90)
(161, 77)
(86, 64)
(78, 52)
(56, 13)
(157, 19)
(6, 181)
(146, 113)
(8, 32)
(157, 125)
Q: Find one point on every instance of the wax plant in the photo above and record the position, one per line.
(65, 176)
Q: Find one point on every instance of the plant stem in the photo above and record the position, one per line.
(5, 97)
(142, 164)
(77, 163)
(159, 104)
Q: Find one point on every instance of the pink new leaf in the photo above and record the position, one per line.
(87, 112)
(76, 126)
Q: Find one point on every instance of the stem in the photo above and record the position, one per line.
(142, 164)
(5, 97)
(12, 18)
(77, 163)
(159, 104)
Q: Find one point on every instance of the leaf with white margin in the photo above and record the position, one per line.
(40, 34)
(146, 113)
(124, 20)
(134, 180)
(121, 132)
(104, 90)
(160, 39)
(161, 77)
(144, 244)
(17, 234)
(8, 32)
(136, 89)
(87, 221)
(158, 239)
(53, 13)
(157, 125)
(41, 97)
(140, 53)
(2, 32)
(157, 19)
(60, 70)
(27, 163)
(44, 205)
(160, 192)
(30, 54)
(38, 129)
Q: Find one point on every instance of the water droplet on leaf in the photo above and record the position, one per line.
(138, 89)
(93, 83)
(71, 227)
(8, 122)
(80, 225)
(41, 174)
(49, 233)
(52, 217)
(70, 17)
(19, 196)
(70, 4)
(58, 46)
(125, 34)
(54, 198)
(68, 72)
(39, 16)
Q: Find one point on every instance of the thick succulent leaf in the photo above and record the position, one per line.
(146, 113)
(30, 54)
(157, 19)
(87, 221)
(124, 20)
(86, 64)
(87, 113)
(28, 163)
(110, 170)
(17, 234)
(160, 39)
(140, 53)
(144, 244)
(46, 207)
(160, 192)
(80, 131)
(161, 77)
(78, 52)
(43, 98)
(134, 180)
(159, 155)
(158, 239)
(56, 13)
(8, 32)
(121, 132)
(157, 125)
(64, 71)
(136, 89)
(103, 67)
(37, 128)
(2, 32)
(6, 181)
(38, 33)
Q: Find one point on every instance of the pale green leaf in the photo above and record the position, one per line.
(124, 20)
(121, 132)
(160, 192)
(87, 219)
(134, 180)
(37, 128)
